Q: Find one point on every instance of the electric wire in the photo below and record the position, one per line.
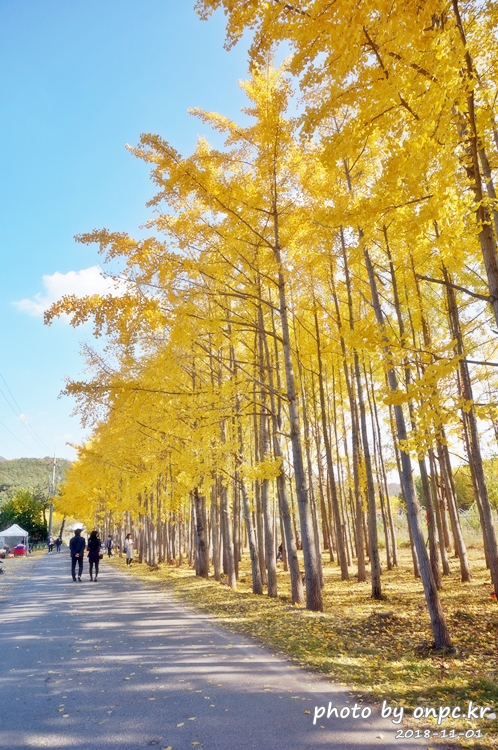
(22, 422)
(7, 475)
(5, 445)
(18, 439)
(31, 431)
(22, 418)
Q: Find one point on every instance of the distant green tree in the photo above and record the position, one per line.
(464, 487)
(30, 473)
(491, 470)
(420, 491)
(26, 509)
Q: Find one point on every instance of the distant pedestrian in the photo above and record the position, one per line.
(50, 544)
(58, 543)
(109, 546)
(128, 548)
(94, 553)
(76, 549)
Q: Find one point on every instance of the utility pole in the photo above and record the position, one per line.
(53, 475)
(51, 506)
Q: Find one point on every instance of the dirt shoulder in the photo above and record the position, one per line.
(17, 569)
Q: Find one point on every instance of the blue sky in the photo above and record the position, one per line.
(78, 80)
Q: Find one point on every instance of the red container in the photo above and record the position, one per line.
(19, 550)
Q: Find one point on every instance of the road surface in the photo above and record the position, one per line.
(115, 665)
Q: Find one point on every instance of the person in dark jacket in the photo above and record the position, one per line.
(76, 549)
(94, 553)
(109, 546)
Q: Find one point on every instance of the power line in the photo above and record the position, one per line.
(22, 421)
(18, 439)
(7, 475)
(31, 431)
(14, 482)
(13, 398)
(5, 445)
(21, 417)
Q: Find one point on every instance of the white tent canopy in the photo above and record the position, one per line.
(13, 535)
(14, 530)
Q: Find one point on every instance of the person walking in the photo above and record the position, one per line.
(128, 548)
(109, 546)
(50, 544)
(76, 548)
(58, 543)
(94, 553)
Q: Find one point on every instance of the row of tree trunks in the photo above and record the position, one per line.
(439, 628)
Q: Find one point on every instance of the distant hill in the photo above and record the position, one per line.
(30, 473)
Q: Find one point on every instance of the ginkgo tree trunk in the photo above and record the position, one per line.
(439, 628)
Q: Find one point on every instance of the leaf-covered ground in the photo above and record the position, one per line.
(380, 648)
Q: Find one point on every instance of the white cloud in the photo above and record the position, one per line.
(80, 283)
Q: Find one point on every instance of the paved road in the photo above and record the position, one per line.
(116, 665)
